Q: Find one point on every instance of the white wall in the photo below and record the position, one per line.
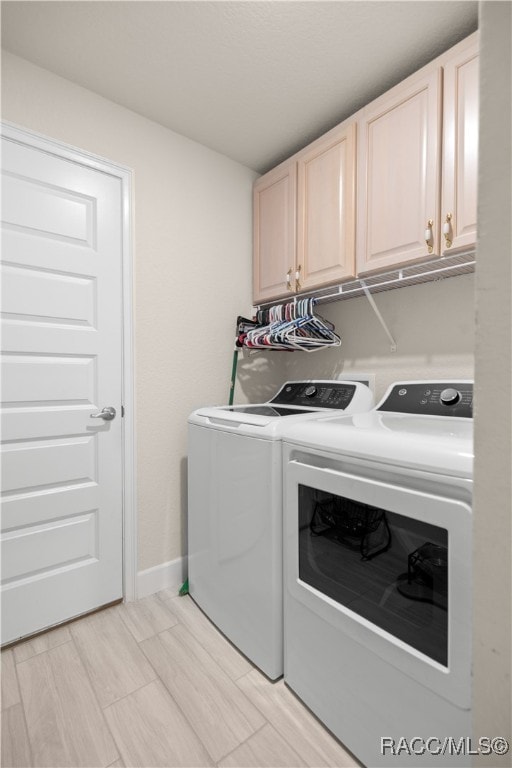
(492, 511)
(192, 238)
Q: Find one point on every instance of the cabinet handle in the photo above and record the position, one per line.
(297, 278)
(447, 230)
(289, 279)
(429, 236)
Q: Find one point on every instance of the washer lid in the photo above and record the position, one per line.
(263, 420)
(438, 444)
(265, 409)
(297, 401)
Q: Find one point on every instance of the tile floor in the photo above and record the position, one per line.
(151, 683)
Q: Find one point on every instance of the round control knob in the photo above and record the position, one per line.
(449, 396)
(310, 391)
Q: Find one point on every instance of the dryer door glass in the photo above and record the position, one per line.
(390, 569)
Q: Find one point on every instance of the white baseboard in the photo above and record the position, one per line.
(170, 575)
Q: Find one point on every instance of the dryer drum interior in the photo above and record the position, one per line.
(427, 575)
(360, 556)
(358, 526)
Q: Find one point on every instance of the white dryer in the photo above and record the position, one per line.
(377, 573)
(235, 510)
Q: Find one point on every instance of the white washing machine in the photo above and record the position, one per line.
(377, 574)
(235, 510)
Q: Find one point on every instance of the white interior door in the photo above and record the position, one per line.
(61, 363)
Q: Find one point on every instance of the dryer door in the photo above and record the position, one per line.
(387, 566)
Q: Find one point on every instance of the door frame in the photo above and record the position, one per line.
(129, 491)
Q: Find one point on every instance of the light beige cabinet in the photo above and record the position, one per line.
(460, 146)
(275, 237)
(304, 218)
(417, 164)
(398, 173)
(326, 209)
(415, 161)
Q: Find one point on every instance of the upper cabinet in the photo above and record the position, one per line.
(304, 218)
(460, 146)
(398, 174)
(415, 164)
(274, 210)
(326, 209)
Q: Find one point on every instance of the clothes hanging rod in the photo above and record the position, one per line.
(449, 264)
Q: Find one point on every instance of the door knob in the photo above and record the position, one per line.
(107, 414)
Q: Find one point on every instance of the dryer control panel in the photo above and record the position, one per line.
(316, 394)
(432, 398)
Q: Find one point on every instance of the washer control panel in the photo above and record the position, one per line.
(315, 394)
(432, 398)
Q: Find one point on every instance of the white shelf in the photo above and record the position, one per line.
(449, 264)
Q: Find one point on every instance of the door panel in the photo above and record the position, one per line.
(37, 380)
(49, 546)
(52, 212)
(61, 362)
(32, 294)
(43, 463)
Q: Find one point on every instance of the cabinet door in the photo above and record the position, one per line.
(398, 174)
(274, 233)
(460, 146)
(326, 209)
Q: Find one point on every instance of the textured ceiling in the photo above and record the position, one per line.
(255, 80)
